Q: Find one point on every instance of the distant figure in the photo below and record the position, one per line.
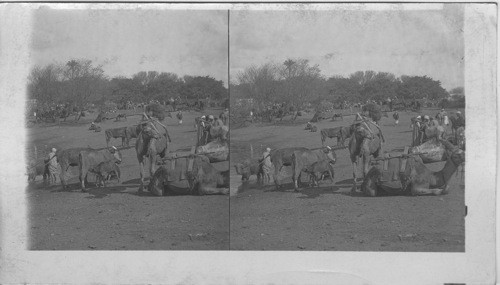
(224, 116)
(267, 165)
(52, 166)
(425, 124)
(441, 117)
(179, 117)
(396, 118)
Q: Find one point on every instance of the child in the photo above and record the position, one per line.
(396, 117)
(179, 117)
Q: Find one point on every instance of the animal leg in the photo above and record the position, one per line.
(311, 180)
(297, 181)
(422, 190)
(61, 177)
(118, 175)
(294, 179)
(83, 178)
(98, 180)
(275, 177)
(315, 179)
(331, 175)
(445, 190)
(354, 167)
(152, 163)
(141, 164)
(103, 180)
(366, 161)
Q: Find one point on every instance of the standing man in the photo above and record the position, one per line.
(396, 118)
(423, 127)
(52, 166)
(266, 165)
(441, 116)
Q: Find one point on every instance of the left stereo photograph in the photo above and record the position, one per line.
(127, 129)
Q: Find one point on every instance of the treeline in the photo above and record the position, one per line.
(296, 82)
(79, 82)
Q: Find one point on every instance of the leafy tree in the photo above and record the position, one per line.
(363, 77)
(125, 89)
(420, 87)
(301, 82)
(457, 91)
(44, 83)
(203, 87)
(259, 83)
(84, 82)
(339, 89)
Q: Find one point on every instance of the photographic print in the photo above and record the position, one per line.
(348, 129)
(124, 108)
(250, 143)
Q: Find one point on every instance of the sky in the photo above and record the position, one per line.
(403, 42)
(195, 42)
(185, 42)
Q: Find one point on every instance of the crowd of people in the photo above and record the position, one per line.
(424, 122)
(207, 122)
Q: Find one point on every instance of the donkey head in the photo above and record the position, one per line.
(116, 154)
(330, 153)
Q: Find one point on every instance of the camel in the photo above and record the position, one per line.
(414, 176)
(150, 143)
(364, 143)
(202, 178)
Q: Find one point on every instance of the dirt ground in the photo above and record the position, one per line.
(118, 217)
(328, 217)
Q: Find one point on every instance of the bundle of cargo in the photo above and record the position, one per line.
(431, 151)
(215, 151)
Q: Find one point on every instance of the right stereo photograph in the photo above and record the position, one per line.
(347, 129)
